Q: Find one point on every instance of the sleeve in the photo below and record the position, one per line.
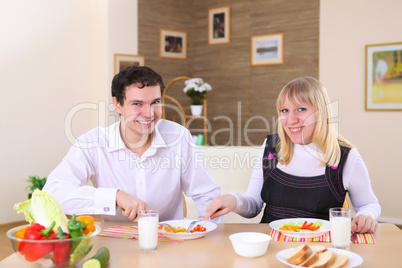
(68, 185)
(250, 204)
(196, 180)
(357, 181)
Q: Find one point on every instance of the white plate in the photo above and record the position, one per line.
(354, 259)
(185, 223)
(323, 229)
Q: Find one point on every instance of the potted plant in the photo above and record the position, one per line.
(36, 183)
(196, 89)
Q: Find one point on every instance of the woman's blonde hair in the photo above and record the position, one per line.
(310, 91)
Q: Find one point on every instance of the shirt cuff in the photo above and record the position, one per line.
(105, 201)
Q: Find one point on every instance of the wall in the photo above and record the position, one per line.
(240, 91)
(55, 73)
(344, 33)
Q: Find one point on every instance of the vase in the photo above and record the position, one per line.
(196, 110)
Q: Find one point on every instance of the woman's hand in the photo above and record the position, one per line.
(130, 205)
(220, 206)
(364, 224)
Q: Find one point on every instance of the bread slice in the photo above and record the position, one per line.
(310, 259)
(324, 260)
(299, 254)
(341, 260)
(318, 248)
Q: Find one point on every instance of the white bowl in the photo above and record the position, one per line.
(250, 244)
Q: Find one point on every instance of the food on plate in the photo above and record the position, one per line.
(299, 254)
(318, 248)
(301, 226)
(341, 260)
(180, 229)
(316, 256)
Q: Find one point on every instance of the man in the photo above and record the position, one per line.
(140, 162)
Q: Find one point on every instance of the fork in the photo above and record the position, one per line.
(190, 227)
(168, 226)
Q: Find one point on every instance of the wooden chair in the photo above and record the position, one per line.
(184, 206)
(346, 203)
(186, 119)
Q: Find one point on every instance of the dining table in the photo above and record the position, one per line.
(215, 249)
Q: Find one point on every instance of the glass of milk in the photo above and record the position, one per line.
(340, 221)
(148, 230)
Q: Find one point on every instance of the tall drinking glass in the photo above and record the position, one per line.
(148, 230)
(340, 221)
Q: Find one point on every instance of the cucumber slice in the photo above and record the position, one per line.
(100, 260)
(91, 263)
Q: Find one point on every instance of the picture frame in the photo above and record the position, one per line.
(267, 49)
(172, 44)
(219, 25)
(383, 77)
(123, 60)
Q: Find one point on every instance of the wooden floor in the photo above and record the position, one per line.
(5, 245)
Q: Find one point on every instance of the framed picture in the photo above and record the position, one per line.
(219, 25)
(172, 44)
(267, 49)
(384, 77)
(123, 60)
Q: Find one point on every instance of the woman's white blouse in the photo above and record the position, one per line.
(306, 162)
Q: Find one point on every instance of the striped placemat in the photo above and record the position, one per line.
(129, 232)
(366, 238)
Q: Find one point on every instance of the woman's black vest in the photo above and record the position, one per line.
(289, 196)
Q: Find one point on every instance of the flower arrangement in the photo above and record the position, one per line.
(196, 89)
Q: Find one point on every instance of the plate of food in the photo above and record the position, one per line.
(318, 256)
(200, 229)
(301, 227)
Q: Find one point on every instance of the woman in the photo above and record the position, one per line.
(307, 168)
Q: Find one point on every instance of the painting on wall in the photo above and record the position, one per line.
(219, 25)
(172, 44)
(384, 77)
(267, 49)
(121, 61)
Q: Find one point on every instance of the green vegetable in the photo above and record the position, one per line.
(75, 227)
(81, 250)
(42, 208)
(100, 259)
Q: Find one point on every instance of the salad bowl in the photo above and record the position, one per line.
(53, 252)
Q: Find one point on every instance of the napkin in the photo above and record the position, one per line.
(366, 238)
(129, 232)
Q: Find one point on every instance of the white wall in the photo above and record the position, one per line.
(346, 27)
(55, 57)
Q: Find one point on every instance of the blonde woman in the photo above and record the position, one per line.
(307, 167)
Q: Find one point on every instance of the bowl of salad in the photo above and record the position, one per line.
(50, 239)
(47, 247)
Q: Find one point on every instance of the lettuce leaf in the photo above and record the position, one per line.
(43, 209)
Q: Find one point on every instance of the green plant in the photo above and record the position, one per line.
(36, 183)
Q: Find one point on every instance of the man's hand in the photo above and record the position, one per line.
(130, 205)
(220, 206)
(364, 224)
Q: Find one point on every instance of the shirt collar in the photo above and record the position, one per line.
(116, 142)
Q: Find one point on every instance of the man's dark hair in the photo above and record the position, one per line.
(141, 76)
